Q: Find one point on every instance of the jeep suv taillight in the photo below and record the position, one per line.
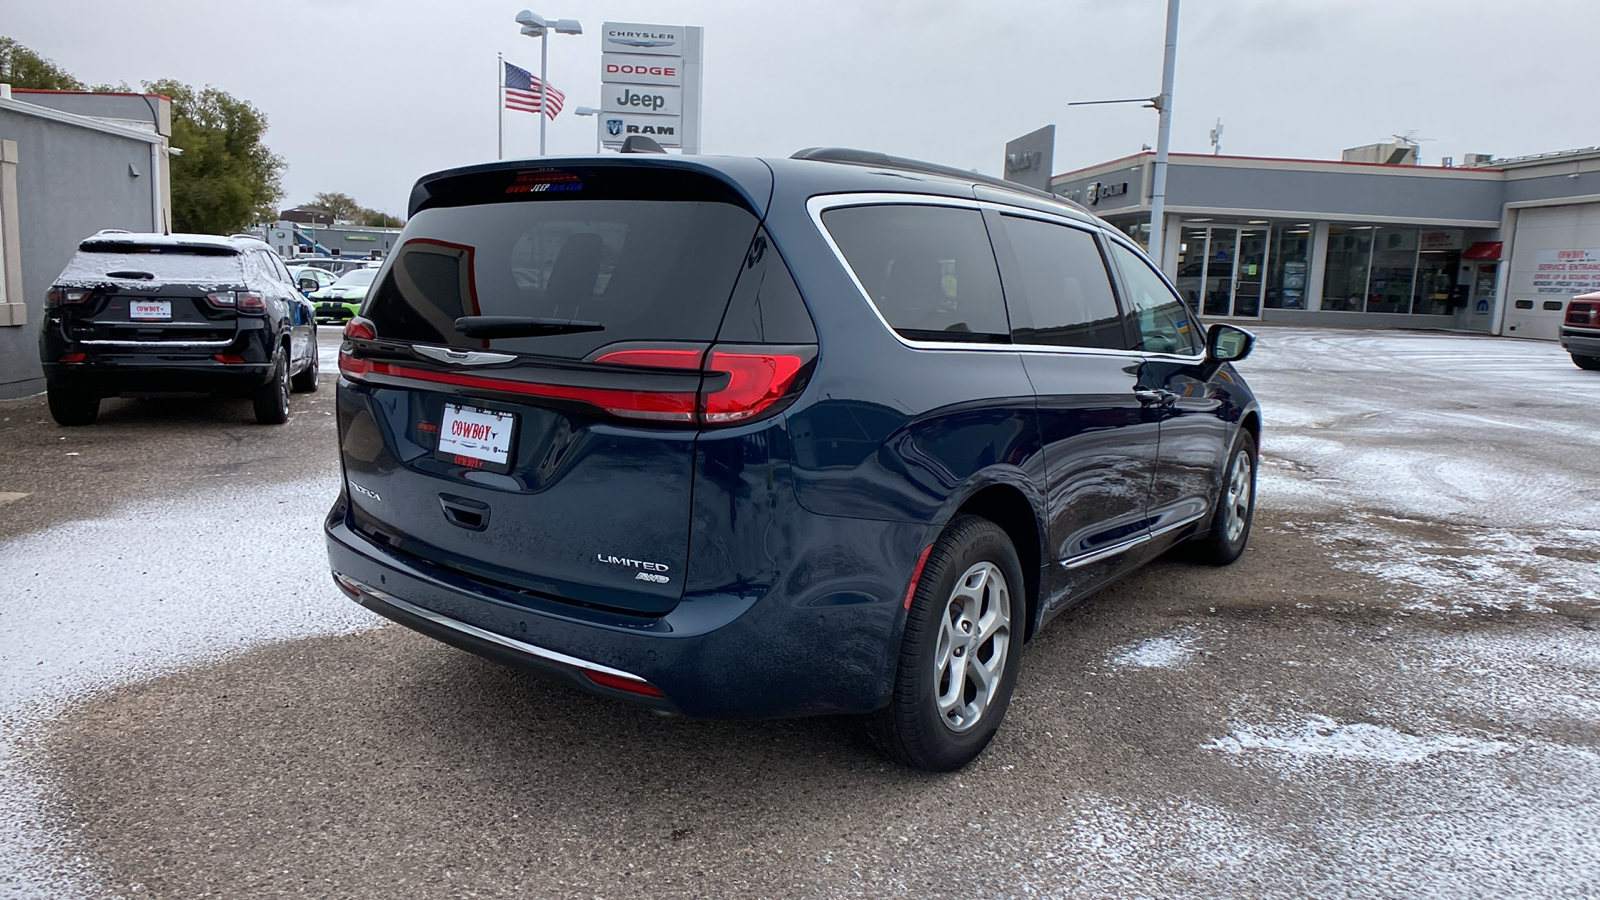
(64, 297)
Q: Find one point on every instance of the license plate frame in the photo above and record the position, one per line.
(487, 448)
(150, 310)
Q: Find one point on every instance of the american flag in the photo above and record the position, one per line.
(522, 92)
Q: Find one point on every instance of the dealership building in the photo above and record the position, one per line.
(1494, 246)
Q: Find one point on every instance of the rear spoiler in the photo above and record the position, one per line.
(743, 182)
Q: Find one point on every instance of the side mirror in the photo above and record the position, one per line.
(308, 284)
(1228, 343)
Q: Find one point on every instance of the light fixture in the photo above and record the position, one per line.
(535, 25)
(591, 111)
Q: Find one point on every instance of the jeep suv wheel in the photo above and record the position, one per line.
(272, 399)
(69, 407)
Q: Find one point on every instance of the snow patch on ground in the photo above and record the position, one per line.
(1169, 651)
(168, 584)
(1323, 737)
(1468, 569)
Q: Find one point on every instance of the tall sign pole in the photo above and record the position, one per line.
(500, 101)
(1158, 178)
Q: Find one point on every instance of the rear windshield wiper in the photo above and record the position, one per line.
(521, 326)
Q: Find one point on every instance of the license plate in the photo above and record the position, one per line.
(479, 434)
(149, 309)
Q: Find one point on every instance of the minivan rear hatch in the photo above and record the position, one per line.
(521, 387)
(162, 295)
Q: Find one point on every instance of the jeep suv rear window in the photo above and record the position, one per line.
(642, 270)
(151, 265)
(929, 270)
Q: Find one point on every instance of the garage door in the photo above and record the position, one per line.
(1555, 254)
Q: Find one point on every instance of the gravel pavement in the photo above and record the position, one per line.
(1394, 692)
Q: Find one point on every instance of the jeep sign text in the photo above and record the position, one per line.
(652, 101)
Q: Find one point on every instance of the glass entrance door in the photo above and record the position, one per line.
(1221, 269)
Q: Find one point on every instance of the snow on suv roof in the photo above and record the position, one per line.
(212, 241)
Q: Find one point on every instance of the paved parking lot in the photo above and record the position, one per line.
(1394, 692)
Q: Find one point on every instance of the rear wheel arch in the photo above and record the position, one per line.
(1008, 507)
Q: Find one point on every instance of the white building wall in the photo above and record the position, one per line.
(1535, 294)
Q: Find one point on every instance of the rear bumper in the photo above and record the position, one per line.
(330, 311)
(113, 375)
(1583, 343)
(718, 656)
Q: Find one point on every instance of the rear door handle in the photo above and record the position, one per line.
(1164, 398)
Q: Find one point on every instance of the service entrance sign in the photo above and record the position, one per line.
(650, 84)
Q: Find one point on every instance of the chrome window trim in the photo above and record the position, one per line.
(1083, 559)
(821, 203)
(475, 631)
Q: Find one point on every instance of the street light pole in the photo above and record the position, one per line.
(544, 81)
(535, 25)
(1158, 175)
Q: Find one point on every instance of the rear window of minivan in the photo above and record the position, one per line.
(644, 270)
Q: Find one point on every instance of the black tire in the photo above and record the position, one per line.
(1224, 542)
(1592, 363)
(72, 408)
(912, 729)
(306, 381)
(272, 399)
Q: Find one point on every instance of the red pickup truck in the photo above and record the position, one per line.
(1580, 331)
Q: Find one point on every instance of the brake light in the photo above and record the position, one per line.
(230, 358)
(251, 303)
(62, 296)
(72, 357)
(224, 299)
(359, 329)
(660, 406)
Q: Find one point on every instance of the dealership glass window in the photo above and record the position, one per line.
(1394, 268)
(1344, 283)
(1287, 265)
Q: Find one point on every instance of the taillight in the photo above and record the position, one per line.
(244, 301)
(359, 329)
(736, 384)
(72, 357)
(64, 297)
(229, 358)
(755, 382)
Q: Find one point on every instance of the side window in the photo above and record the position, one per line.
(929, 270)
(1163, 324)
(1065, 297)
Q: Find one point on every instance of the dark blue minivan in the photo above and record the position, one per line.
(749, 438)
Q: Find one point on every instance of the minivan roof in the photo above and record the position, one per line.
(814, 171)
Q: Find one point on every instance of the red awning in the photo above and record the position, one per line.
(1483, 250)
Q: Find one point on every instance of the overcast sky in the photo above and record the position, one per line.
(363, 96)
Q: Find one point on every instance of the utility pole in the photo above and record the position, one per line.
(1158, 177)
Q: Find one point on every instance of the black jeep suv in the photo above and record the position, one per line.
(139, 315)
(745, 438)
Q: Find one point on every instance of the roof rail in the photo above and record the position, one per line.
(902, 164)
(113, 231)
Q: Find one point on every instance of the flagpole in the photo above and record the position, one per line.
(544, 80)
(500, 101)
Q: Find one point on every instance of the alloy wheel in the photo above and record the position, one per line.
(1238, 497)
(974, 638)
